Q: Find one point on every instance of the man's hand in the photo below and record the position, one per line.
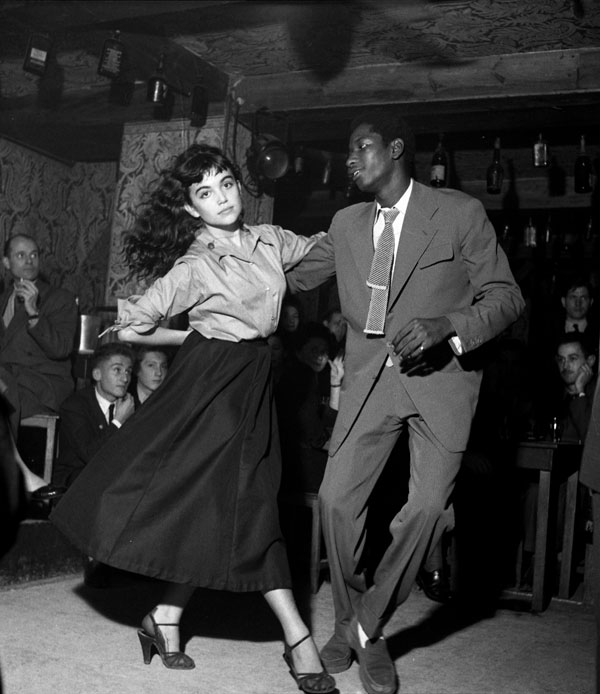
(124, 408)
(27, 292)
(419, 335)
(584, 376)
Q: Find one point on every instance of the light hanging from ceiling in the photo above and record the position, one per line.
(158, 88)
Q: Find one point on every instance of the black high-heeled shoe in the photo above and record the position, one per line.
(156, 641)
(309, 682)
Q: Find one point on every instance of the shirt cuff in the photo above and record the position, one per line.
(116, 423)
(456, 345)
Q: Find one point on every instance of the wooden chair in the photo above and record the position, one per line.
(49, 422)
(311, 500)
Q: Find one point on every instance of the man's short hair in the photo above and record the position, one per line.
(10, 239)
(575, 338)
(142, 350)
(110, 349)
(390, 126)
(309, 331)
(574, 282)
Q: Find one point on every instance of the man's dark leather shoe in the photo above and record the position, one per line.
(336, 655)
(376, 667)
(49, 492)
(96, 574)
(435, 585)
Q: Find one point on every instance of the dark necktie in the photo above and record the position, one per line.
(575, 328)
(111, 412)
(379, 277)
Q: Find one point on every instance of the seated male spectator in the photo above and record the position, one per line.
(306, 421)
(37, 334)
(575, 314)
(290, 321)
(335, 322)
(93, 414)
(577, 301)
(572, 395)
(149, 371)
(572, 406)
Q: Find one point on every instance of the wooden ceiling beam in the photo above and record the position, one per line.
(552, 73)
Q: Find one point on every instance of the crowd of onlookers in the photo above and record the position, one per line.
(536, 387)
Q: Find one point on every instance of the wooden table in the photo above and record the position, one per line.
(555, 462)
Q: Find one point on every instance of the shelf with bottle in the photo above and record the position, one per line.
(438, 176)
(541, 175)
(557, 235)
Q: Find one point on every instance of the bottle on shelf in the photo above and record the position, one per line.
(505, 238)
(548, 231)
(583, 170)
(530, 235)
(439, 165)
(495, 172)
(540, 152)
(589, 229)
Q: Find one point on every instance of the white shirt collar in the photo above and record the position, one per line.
(401, 204)
(570, 324)
(103, 402)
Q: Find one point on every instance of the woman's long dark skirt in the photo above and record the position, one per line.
(186, 491)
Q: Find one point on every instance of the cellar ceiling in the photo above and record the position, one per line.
(472, 68)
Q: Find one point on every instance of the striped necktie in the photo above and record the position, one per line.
(379, 277)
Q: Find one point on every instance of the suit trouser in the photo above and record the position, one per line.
(350, 476)
(596, 579)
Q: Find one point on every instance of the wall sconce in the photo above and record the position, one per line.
(268, 157)
(111, 58)
(38, 54)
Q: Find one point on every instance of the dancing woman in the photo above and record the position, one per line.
(187, 491)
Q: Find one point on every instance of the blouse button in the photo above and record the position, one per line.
(211, 246)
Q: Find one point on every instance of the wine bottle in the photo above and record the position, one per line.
(540, 152)
(530, 235)
(439, 165)
(583, 170)
(495, 172)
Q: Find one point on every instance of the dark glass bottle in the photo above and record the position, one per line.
(495, 172)
(38, 54)
(439, 165)
(583, 170)
(111, 58)
(540, 152)
(157, 84)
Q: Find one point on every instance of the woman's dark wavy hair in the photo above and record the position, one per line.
(163, 230)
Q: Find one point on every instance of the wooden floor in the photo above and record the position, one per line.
(59, 636)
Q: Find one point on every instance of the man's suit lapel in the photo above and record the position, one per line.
(3, 301)
(416, 235)
(360, 240)
(96, 413)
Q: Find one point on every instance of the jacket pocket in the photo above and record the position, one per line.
(442, 252)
